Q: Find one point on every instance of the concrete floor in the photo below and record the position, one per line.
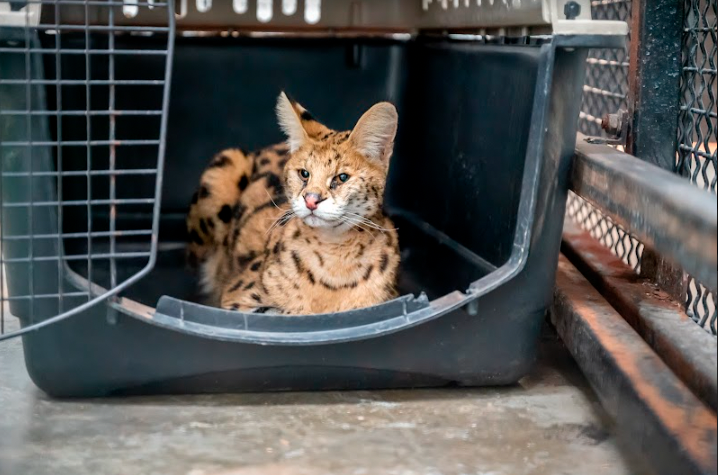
(549, 424)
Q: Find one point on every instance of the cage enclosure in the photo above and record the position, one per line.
(100, 157)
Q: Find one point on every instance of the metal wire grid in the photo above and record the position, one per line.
(606, 87)
(79, 187)
(697, 128)
(605, 91)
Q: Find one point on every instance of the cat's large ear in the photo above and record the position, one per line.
(297, 123)
(290, 120)
(373, 136)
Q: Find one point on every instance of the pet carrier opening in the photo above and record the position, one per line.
(100, 158)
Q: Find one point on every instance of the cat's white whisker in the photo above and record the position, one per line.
(369, 222)
(358, 224)
(282, 219)
(271, 199)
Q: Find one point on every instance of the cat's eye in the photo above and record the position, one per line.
(304, 173)
(343, 177)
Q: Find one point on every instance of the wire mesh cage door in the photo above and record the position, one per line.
(75, 227)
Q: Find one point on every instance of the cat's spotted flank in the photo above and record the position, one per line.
(298, 228)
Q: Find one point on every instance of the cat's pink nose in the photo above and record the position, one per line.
(312, 200)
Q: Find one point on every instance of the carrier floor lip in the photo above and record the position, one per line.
(431, 263)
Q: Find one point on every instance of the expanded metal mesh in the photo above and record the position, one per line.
(74, 85)
(602, 228)
(697, 128)
(605, 92)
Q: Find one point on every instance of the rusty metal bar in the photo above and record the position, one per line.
(665, 211)
(662, 322)
(656, 415)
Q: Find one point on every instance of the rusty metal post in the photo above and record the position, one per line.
(654, 81)
(654, 104)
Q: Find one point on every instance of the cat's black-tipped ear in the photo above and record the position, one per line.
(373, 136)
(289, 114)
(297, 123)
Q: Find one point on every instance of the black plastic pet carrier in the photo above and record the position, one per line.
(109, 111)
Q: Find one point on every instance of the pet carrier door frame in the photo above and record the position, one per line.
(32, 170)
